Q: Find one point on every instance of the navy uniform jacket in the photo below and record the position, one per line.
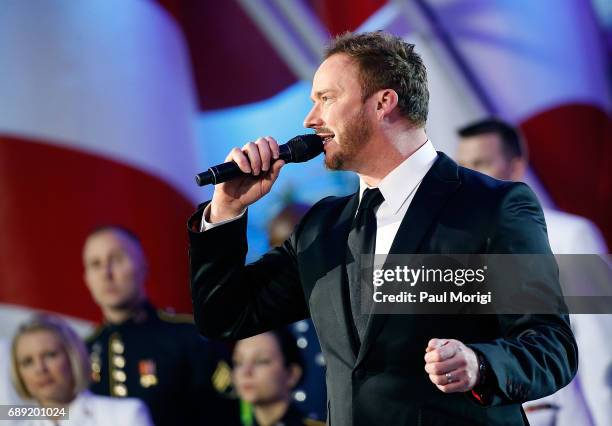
(383, 382)
(161, 359)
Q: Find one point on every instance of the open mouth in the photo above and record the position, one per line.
(327, 137)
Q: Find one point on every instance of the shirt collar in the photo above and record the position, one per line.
(397, 186)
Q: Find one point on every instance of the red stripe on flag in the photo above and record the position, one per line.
(233, 62)
(52, 197)
(345, 15)
(570, 149)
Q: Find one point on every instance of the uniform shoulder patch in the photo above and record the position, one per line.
(222, 378)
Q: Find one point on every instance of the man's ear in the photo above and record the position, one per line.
(518, 167)
(295, 374)
(386, 102)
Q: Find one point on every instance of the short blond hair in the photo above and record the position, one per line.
(74, 346)
(387, 62)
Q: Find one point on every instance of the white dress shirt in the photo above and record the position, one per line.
(398, 189)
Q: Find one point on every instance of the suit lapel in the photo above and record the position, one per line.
(440, 182)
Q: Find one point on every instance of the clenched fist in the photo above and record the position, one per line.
(451, 365)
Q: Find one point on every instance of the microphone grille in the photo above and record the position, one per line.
(305, 147)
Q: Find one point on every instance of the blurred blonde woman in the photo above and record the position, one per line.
(50, 365)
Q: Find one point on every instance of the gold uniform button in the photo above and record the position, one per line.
(117, 347)
(119, 376)
(148, 380)
(120, 390)
(119, 361)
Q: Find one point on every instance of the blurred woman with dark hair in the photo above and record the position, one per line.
(267, 367)
(49, 364)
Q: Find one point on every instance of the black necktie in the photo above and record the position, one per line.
(361, 241)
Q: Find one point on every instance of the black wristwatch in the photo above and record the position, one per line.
(483, 370)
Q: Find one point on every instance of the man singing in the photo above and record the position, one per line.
(370, 102)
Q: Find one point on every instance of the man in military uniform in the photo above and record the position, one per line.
(141, 352)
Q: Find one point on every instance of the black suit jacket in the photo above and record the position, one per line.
(383, 382)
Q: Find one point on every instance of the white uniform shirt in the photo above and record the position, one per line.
(586, 400)
(88, 409)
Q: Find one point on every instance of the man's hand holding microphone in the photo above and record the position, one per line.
(249, 173)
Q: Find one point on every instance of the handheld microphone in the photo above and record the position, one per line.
(298, 150)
